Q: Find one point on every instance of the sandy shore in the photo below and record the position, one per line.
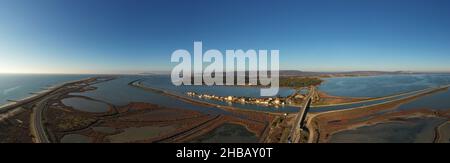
(39, 95)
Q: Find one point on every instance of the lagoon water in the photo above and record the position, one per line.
(373, 86)
(19, 86)
(437, 101)
(117, 92)
(384, 85)
(85, 105)
(163, 82)
(413, 130)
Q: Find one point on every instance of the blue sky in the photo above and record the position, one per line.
(120, 36)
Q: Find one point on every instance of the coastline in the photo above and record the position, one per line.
(30, 112)
(378, 113)
(36, 96)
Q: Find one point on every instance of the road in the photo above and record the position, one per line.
(40, 101)
(299, 122)
(37, 125)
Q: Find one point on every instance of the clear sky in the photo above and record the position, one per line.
(119, 36)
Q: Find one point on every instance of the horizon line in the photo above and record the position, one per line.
(168, 72)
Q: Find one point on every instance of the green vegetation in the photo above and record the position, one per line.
(299, 82)
(285, 81)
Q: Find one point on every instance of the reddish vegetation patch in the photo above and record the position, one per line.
(326, 99)
(329, 124)
(187, 124)
(326, 124)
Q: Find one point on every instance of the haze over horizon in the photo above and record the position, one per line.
(123, 36)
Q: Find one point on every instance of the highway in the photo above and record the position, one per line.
(37, 126)
(295, 134)
(41, 104)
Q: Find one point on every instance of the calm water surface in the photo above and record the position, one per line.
(19, 86)
(412, 131)
(379, 86)
(384, 85)
(437, 101)
(119, 93)
(163, 82)
(85, 105)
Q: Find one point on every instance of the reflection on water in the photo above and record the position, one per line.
(362, 104)
(437, 101)
(163, 82)
(119, 93)
(384, 85)
(377, 86)
(228, 133)
(414, 130)
(19, 86)
(85, 105)
(373, 86)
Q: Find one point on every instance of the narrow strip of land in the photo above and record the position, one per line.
(379, 98)
(315, 125)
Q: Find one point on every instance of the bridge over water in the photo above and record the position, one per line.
(300, 120)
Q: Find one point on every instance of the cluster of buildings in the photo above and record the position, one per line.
(275, 101)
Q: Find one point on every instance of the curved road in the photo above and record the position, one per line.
(37, 125)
